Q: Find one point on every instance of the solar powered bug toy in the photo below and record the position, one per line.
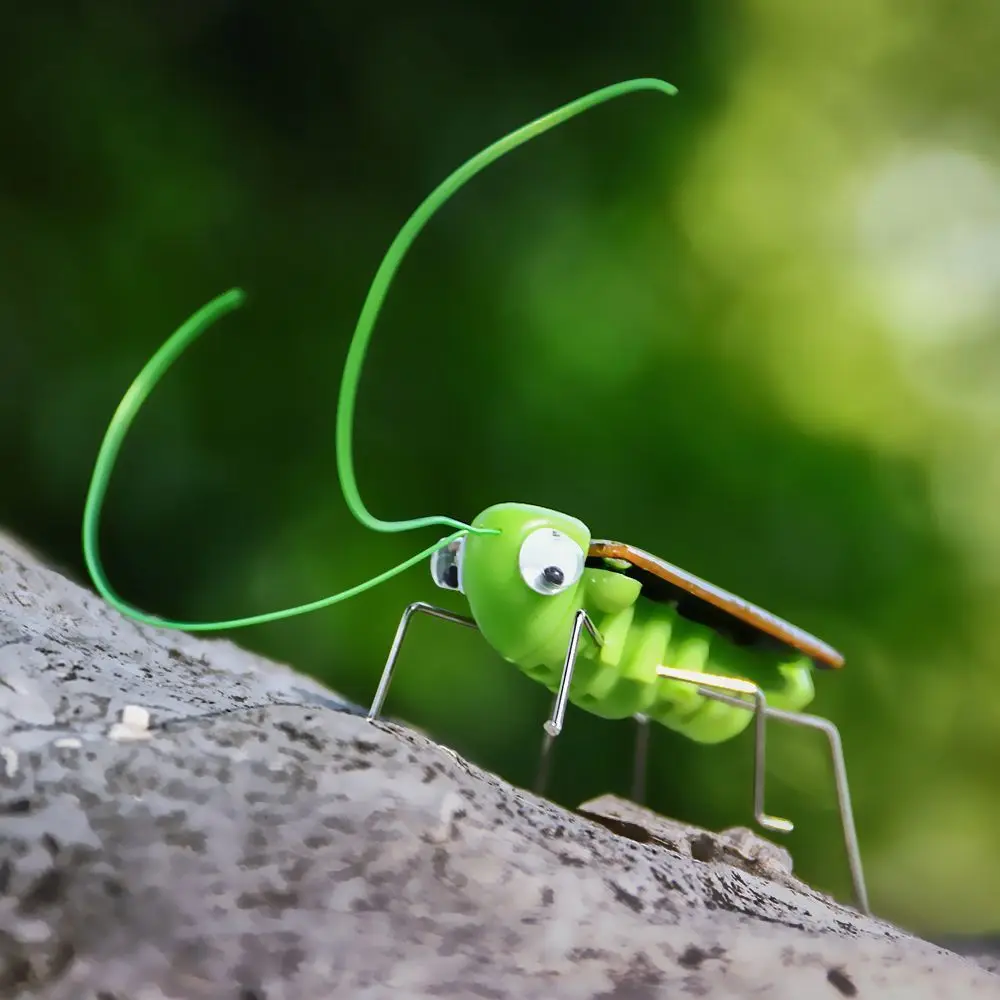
(605, 626)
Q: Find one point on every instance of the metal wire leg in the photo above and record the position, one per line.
(390, 664)
(554, 724)
(836, 753)
(642, 735)
(760, 710)
(843, 794)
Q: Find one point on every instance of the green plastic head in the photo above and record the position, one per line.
(523, 584)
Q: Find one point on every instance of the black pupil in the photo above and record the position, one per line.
(451, 576)
(553, 575)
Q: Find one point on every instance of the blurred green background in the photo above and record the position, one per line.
(752, 328)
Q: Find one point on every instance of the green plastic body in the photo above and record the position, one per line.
(619, 679)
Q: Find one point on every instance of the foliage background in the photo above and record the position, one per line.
(752, 328)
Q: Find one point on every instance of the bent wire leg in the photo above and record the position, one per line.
(832, 734)
(795, 719)
(554, 724)
(759, 708)
(642, 735)
(390, 664)
(843, 793)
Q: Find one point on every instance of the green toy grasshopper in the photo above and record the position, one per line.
(597, 623)
(618, 632)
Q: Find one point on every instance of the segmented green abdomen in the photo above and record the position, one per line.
(620, 679)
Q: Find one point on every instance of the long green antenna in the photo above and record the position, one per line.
(182, 338)
(390, 264)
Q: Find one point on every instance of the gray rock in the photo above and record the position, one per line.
(738, 846)
(242, 833)
(984, 949)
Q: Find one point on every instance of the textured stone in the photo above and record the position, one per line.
(242, 833)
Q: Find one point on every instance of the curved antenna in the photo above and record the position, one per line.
(182, 338)
(144, 383)
(390, 264)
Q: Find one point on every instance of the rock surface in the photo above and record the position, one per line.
(242, 833)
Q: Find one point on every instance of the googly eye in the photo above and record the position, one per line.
(446, 566)
(550, 561)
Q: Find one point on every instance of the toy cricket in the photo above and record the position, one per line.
(603, 625)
